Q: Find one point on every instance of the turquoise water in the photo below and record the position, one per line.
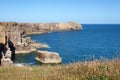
(93, 42)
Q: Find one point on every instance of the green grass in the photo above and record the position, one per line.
(95, 70)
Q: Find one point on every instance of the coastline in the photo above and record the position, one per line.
(79, 70)
(19, 32)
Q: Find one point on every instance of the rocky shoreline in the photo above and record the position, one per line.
(17, 33)
(28, 48)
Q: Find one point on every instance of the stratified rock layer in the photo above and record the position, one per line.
(2, 35)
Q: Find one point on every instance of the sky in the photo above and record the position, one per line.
(81, 11)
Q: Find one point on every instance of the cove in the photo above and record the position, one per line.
(98, 41)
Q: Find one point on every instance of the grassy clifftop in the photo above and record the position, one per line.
(108, 70)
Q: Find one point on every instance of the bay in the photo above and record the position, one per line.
(95, 41)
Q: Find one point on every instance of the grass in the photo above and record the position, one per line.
(95, 70)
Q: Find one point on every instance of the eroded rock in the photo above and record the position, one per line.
(48, 57)
(6, 59)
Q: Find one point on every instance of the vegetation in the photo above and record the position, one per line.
(95, 70)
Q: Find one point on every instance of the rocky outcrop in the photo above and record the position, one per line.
(48, 57)
(6, 59)
(39, 45)
(69, 26)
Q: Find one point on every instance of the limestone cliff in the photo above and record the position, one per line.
(16, 32)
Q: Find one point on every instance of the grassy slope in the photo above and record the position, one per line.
(108, 70)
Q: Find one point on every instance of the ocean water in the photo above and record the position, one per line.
(93, 42)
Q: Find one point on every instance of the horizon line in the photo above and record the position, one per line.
(59, 22)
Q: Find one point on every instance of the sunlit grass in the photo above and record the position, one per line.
(94, 70)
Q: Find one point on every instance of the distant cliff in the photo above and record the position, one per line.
(15, 30)
(31, 28)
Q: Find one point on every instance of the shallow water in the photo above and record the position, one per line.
(93, 42)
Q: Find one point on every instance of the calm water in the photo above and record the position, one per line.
(93, 42)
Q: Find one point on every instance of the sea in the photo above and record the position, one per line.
(94, 42)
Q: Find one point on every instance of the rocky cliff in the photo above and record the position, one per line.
(2, 35)
(31, 28)
(16, 32)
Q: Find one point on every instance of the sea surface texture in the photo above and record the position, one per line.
(94, 42)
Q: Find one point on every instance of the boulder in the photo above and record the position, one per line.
(48, 57)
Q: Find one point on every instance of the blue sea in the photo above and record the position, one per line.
(94, 42)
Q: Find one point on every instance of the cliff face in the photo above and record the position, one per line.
(2, 35)
(15, 31)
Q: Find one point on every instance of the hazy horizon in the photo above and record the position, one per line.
(45, 11)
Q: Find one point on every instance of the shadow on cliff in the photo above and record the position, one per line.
(3, 50)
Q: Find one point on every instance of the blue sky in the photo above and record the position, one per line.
(82, 11)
